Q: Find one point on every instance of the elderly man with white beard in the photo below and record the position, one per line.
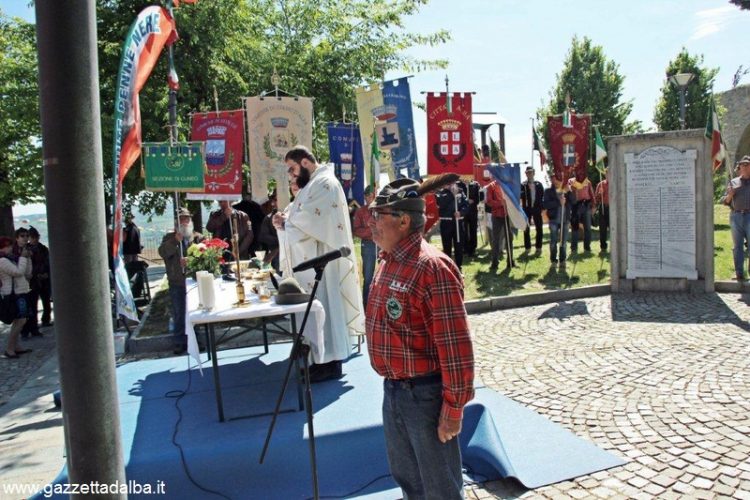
(173, 250)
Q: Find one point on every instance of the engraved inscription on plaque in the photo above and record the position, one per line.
(661, 213)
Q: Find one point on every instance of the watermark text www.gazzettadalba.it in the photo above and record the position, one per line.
(129, 487)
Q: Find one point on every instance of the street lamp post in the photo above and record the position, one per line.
(681, 81)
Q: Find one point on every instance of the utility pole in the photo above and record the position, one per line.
(73, 179)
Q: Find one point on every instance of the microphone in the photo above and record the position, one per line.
(322, 260)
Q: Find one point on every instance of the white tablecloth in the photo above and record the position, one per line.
(224, 311)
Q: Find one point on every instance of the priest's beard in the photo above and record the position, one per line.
(303, 178)
(186, 230)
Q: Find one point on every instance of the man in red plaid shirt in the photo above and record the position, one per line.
(418, 339)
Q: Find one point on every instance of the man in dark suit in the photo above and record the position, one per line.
(474, 196)
(532, 192)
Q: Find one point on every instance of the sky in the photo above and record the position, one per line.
(510, 51)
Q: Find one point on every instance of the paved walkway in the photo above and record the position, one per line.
(662, 380)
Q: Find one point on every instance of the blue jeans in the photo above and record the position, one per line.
(369, 256)
(554, 236)
(177, 295)
(740, 226)
(421, 465)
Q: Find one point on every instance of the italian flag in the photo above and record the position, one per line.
(374, 161)
(601, 149)
(567, 120)
(713, 133)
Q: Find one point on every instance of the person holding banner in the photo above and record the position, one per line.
(315, 223)
(737, 196)
(602, 204)
(452, 206)
(583, 194)
(495, 200)
(220, 226)
(558, 206)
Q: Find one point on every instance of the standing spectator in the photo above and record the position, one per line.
(30, 328)
(131, 240)
(471, 220)
(418, 339)
(361, 229)
(583, 194)
(41, 283)
(15, 272)
(256, 214)
(219, 224)
(737, 196)
(558, 206)
(532, 193)
(602, 204)
(173, 250)
(267, 238)
(318, 222)
(452, 206)
(496, 203)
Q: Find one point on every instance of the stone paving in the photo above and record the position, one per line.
(15, 372)
(661, 380)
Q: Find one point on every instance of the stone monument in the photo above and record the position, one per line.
(661, 212)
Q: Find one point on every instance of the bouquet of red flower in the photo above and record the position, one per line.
(206, 256)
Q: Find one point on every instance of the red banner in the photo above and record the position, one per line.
(569, 146)
(449, 135)
(224, 135)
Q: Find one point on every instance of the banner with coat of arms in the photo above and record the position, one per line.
(449, 134)
(174, 167)
(568, 145)
(223, 134)
(385, 109)
(274, 126)
(346, 155)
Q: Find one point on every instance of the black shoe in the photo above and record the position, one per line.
(325, 371)
(47, 324)
(7, 355)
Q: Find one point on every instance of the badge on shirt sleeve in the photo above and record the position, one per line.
(394, 308)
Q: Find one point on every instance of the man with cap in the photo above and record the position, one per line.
(220, 226)
(418, 339)
(361, 229)
(737, 196)
(173, 250)
(315, 223)
(532, 192)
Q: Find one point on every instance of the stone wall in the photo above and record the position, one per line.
(735, 122)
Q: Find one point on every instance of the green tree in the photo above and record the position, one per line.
(742, 4)
(21, 172)
(594, 85)
(321, 49)
(697, 96)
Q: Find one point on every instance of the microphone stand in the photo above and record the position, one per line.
(300, 349)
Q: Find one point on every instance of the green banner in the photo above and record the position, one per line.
(179, 167)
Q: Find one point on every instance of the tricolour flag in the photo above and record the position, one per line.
(601, 149)
(508, 177)
(150, 32)
(713, 133)
(538, 146)
(567, 119)
(374, 176)
(172, 79)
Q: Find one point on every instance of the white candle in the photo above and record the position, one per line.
(206, 284)
(200, 290)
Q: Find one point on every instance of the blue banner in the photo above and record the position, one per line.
(508, 176)
(397, 134)
(345, 148)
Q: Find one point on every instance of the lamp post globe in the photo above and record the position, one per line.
(681, 81)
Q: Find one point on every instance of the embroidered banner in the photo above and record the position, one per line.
(150, 32)
(178, 167)
(449, 135)
(274, 126)
(224, 136)
(346, 155)
(385, 108)
(569, 146)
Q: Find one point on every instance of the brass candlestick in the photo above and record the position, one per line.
(236, 252)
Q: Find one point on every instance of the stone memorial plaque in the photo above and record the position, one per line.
(661, 213)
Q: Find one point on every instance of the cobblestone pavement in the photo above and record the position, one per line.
(661, 380)
(15, 372)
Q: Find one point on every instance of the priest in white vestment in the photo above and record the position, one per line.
(317, 222)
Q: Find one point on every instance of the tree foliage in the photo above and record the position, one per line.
(742, 4)
(697, 96)
(21, 172)
(320, 48)
(594, 85)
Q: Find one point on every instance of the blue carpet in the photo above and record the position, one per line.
(500, 438)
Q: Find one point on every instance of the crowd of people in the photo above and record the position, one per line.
(25, 278)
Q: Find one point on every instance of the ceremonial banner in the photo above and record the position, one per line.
(385, 108)
(508, 177)
(569, 146)
(152, 29)
(178, 167)
(223, 133)
(449, 134)
(274, 126)
(346, 156)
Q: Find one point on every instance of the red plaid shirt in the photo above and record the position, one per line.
(417, 323)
